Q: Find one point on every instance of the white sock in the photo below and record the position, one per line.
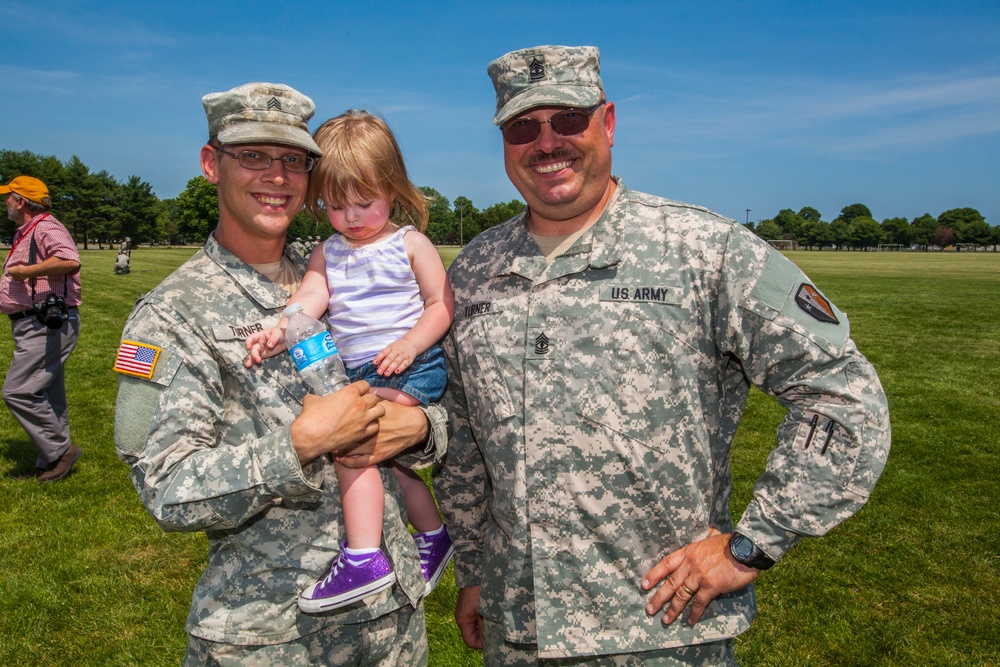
(359, 556)
(433, 533)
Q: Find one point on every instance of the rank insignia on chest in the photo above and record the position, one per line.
(811, 301)
(542, 344)
(137, 359)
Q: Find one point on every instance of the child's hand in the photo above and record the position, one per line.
(264, 344)
(396, 357)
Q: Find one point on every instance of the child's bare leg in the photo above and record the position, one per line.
(394, 395)
(363, 499)
(420, 505)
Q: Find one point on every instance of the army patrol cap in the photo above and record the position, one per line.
(563, 76)
(261, 113)
(29, 188)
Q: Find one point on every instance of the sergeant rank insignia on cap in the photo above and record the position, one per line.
(811, 301)
(137, 359)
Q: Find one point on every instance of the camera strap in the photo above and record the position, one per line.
(32, 254)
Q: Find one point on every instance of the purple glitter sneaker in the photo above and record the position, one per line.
(347, 583)
(435, 553)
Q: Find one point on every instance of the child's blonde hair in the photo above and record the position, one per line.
(360, 152)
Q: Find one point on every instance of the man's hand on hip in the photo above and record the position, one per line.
(695, 574)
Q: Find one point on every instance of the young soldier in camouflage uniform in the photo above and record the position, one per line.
(603, 347)
(242, 453)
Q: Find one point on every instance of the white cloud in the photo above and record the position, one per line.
(826, 117)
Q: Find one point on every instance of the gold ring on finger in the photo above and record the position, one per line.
(688, 591)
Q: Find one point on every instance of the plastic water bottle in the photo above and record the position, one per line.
(314, 352)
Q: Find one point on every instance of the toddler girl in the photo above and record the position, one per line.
(384, 290)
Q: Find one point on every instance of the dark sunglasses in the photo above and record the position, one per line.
(565, 123)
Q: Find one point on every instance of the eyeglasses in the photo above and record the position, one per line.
(565, 123)
(258, 161)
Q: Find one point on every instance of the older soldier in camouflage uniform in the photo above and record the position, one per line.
(603, 347)
(242, 453)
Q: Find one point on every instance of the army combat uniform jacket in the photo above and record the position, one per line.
(209, 446)
(594, 402)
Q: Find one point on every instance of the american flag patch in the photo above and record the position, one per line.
(136, 359)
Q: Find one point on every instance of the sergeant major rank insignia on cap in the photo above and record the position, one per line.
(536, 69)
(814, 303)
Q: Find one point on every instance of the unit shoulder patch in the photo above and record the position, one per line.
(814, 303)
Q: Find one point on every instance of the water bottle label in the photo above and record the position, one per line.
(312, 349)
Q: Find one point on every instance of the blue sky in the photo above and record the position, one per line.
(730, 105)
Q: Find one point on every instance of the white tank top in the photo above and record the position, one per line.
(374, 296)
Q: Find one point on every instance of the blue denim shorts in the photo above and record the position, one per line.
(425, 380)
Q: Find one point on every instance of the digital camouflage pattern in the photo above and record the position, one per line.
(566, 76)
(209, 447)
(398, 639)
(496, 651)
(594, 402)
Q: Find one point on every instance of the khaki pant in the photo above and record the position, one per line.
(35, 387)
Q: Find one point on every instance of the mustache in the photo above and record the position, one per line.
(559, 154)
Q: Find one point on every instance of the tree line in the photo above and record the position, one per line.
(94, 206)
(99, 210)
(855, 228)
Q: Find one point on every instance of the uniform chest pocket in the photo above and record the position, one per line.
(271, 390)
(647, 385)
(482, 374)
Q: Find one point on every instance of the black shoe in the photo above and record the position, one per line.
(61, 468)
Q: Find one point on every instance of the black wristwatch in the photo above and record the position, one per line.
(748, 553)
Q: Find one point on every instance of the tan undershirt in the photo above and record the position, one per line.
(553, 246)
(282, 272)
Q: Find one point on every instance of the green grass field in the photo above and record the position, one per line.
(87, 578)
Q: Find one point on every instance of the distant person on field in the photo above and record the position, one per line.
(40, 293)
(382, 287)
(126, 247)
(123, 263)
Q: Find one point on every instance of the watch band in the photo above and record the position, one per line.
(747, 553)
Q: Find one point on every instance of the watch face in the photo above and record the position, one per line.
(742, 547)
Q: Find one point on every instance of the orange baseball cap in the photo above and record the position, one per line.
(29, 188)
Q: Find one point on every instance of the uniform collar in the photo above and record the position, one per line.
(266, 293)
(598, 248)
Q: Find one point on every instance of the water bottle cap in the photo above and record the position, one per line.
(292, 309)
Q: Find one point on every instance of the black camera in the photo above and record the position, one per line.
(52, 312)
